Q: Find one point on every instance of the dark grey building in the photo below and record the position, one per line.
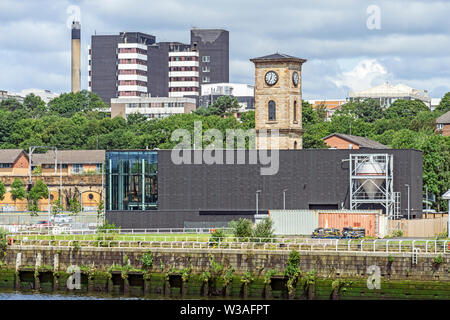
(103, 61)
(190, 195)
(214, 49)
(105, 65)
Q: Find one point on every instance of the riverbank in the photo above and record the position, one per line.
(191, 273)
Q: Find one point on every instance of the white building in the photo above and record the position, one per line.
(45, 95)
(183, 73)
(132, 69)
(151, 107)
(244, 93)
(387, 94)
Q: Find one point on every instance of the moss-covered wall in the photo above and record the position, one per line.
(226, 273)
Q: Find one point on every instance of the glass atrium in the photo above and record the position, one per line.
(131, 180)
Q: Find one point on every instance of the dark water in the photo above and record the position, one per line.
(36, 295)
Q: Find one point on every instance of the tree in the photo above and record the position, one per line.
(264, 230)
(38, 191)
(2, 191)
(35, 106)
(368, 110)
(444, 105)
(11, 104)
(224, 105)
(405, 109)
(18, 191)
(67, 104)
(242, 229)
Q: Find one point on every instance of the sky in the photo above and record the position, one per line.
(349, 45)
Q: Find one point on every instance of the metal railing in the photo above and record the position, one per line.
(316, 245)
(51, 231)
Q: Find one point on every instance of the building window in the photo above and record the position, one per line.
(205, 69)
(91, 196)
(295, 111)
(295, 145)
(98, 167)
(440, 126)
(77, 168)
(131, 180)
(206, 79)
(206, 59)
(272, 111)
(5, 165)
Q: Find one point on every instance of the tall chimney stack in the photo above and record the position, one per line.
(76, 56)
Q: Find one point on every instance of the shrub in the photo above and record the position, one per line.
(3, 240)
(147, 260)
(217, 236)
(264, 230)
(438, 260)
(243, 228)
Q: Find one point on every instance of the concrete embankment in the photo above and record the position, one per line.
(235, 273)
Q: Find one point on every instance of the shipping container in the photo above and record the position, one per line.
(294, 222)
(370, 220)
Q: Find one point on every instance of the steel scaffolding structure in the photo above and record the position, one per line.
(372, 182)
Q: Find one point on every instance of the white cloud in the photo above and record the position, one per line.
(363, 75)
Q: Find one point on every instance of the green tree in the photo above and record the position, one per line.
(264, 230)
(223, 105)
(11, 104)
(2, 191)
(368, 110)
(444, 105)
(38, 191)
(405, 109)
(67, 104)
(34, 105)
(242, 229)
(18, 191)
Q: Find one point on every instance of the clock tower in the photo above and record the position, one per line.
(278, 101)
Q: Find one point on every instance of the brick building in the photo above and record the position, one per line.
(347, 141)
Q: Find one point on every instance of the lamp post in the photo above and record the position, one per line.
(284, 199)
(446, 196)
(409, 209)
(257, 192)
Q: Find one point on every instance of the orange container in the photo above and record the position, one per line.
(340, 220)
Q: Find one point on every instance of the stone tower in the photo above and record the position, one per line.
(278, 101)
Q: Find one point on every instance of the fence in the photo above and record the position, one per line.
(19, 221)
(379, 246)
(420, 228)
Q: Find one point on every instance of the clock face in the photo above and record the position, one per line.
(271, 78)
(295, 78)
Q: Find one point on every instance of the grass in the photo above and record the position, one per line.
(122, 237)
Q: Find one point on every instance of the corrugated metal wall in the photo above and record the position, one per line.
(303, 222)
(294, 222)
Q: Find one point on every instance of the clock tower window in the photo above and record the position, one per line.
(272, 111)
(295, 111)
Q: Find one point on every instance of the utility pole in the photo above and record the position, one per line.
(284, 199)
(257, 192)
(409, 209)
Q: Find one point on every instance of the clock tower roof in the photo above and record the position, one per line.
(277, 57)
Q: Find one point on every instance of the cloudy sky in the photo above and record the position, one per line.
(347, 47)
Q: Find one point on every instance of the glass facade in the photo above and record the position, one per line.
(131, 180)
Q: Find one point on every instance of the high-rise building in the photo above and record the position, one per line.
(213, 48)
(133, 64)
